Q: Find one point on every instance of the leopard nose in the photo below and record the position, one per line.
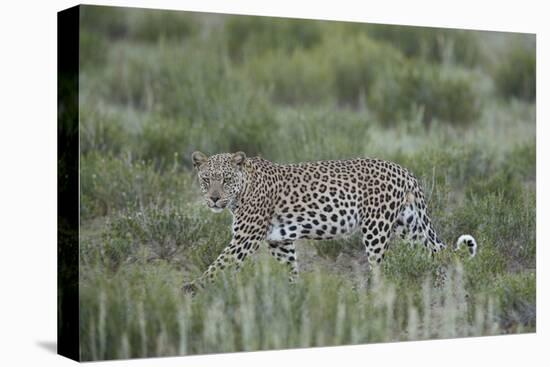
(214, 198)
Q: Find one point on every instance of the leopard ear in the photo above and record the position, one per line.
(238, 159)
(198, 158)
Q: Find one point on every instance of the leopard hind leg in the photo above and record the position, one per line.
(414, 225)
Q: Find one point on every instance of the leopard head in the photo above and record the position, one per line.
(221, 177)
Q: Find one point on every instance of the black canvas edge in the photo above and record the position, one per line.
(68, 341)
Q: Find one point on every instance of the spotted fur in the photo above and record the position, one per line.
(281, 203)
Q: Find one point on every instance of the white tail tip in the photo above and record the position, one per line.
(469, 241)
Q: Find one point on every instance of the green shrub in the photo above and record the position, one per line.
(434, 44)
(516, 293)
(109, 21)
(311, 134)
(445, 94)
(184, 236)
(331, 249)
(93, 49)
(138, 25)
(162, 229)
(410, 265)
(522, 162)
(480, 272)
(102, 132)
(456, 163)
(293, 78)
(356, 63)
(193, 95)
(108, 184)
(153, 25)
(248, 36)
(515, 75)
(161, 140)
(339, 69)
(503, 183)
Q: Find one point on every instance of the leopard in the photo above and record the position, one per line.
(278, 204)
